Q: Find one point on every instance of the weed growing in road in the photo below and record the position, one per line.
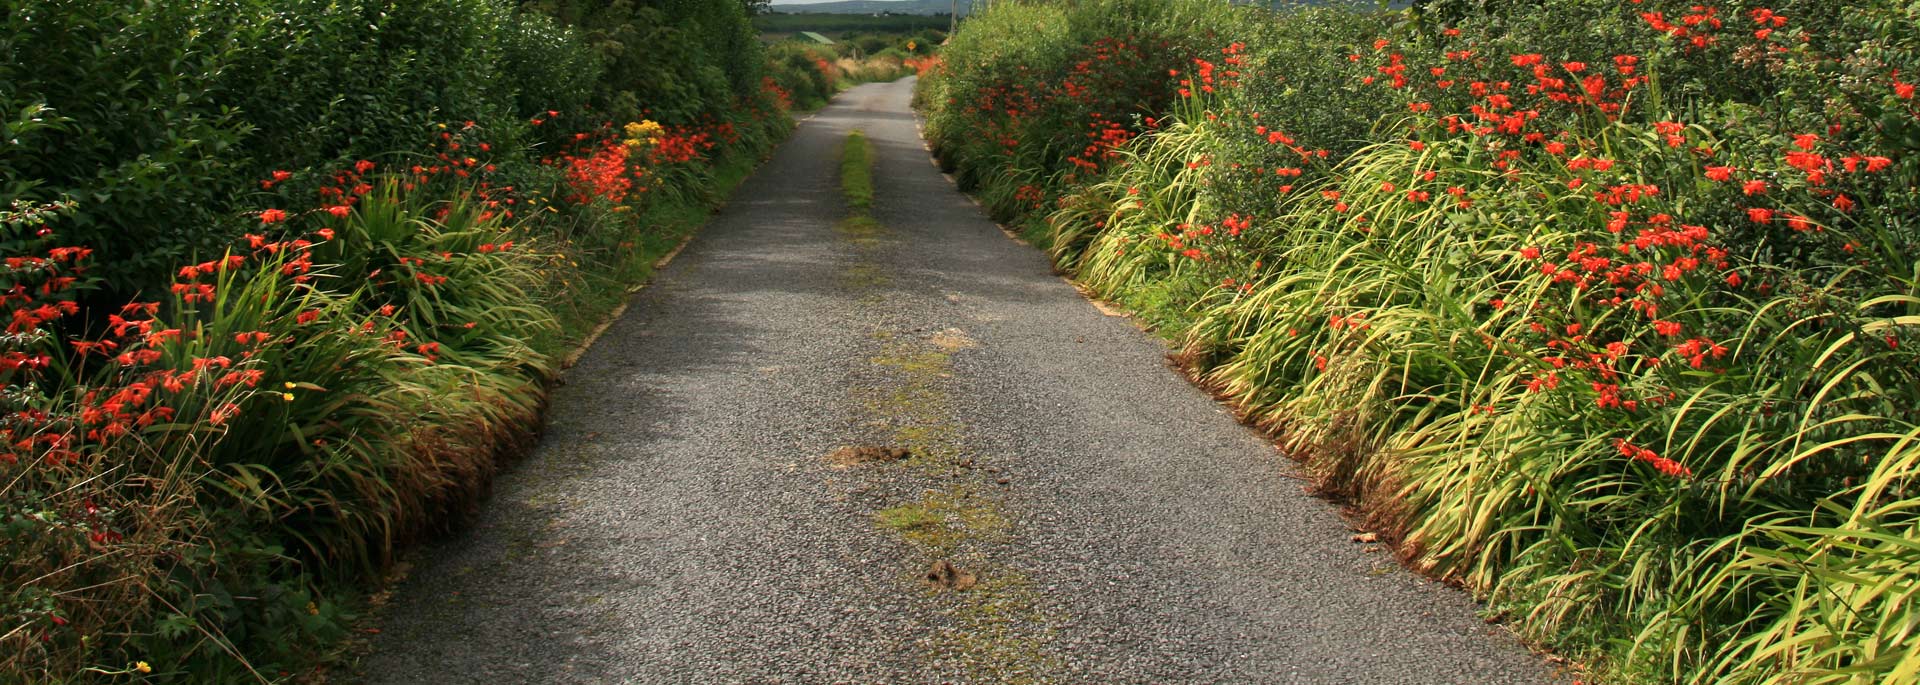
(856, 172)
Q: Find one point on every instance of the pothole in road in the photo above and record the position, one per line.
(848, 457)
(944, 574)
(954, 340)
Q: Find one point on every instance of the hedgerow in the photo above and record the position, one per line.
(286, 282)
(1606, 311)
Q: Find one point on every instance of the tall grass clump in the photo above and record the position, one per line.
(1611, 319)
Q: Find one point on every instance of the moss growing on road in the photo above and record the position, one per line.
(943, 520)
(856, 171)
(994, 630)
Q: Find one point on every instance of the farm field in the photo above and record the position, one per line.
(1105, 341)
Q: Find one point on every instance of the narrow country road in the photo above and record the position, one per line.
(1102, 521)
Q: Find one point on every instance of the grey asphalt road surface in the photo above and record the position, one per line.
(1072, 510)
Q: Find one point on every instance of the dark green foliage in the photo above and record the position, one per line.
(158, 116)
(129, 123)
(223, 545)
(161, 114)
(675, 61)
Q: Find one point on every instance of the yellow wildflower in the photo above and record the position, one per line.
(643, 133)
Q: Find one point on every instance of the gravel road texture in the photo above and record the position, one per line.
(690, 516)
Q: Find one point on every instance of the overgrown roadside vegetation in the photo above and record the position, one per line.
(287, 282)
(1606, 311)
(807, 74)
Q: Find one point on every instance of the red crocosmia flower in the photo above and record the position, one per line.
(362, 166)
(1903, 91)
(1659, 463)
(340, 211)
(1760, 215)
(1720, 173)
(1806, 141)
(272, 216)
(1530, 252)
(1754, 187)
(325, 233)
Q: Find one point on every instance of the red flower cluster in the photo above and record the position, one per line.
(1642, 454)
(602, 174)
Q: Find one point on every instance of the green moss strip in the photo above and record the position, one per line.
(856, 171)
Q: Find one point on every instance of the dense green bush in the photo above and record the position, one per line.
(1605, 310)
(675, 61)
(1021, 118)
(160, 115)
(802, 71)
(288, 280)
(128, 122)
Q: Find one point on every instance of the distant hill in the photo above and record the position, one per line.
(920, 7)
